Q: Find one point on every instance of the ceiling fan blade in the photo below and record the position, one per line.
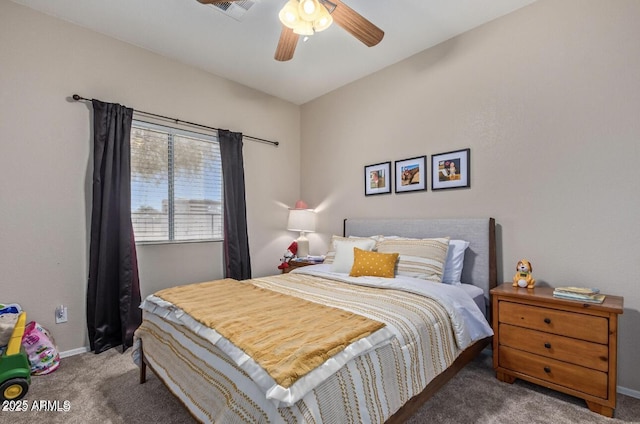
(286, 45)
(356, 24)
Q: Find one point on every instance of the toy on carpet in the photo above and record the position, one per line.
(15, 369)
(523, 277)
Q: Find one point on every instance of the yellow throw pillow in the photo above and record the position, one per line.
(372, 264)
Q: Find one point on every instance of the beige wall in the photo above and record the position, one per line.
(45, 161)
(548, 100)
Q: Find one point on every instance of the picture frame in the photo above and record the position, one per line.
(377, 178)
(451, 170)
(411, 174)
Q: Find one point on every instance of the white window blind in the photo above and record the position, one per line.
(176, 184)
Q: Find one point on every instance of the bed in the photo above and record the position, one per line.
(406, 336)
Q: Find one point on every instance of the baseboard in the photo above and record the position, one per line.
(72, 352)
(628, 392)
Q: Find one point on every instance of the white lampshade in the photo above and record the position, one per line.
(303, 220)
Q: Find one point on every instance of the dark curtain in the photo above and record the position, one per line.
(113, 292)
(236, 239)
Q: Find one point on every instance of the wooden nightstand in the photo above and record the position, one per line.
(569, 346)
(298, 264)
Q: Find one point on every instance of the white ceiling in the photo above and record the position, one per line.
(242, 51)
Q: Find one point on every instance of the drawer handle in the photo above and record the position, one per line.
(547, 370)
(547, 320)
(547, 345)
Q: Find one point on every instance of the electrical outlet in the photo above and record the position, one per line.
(61, 314)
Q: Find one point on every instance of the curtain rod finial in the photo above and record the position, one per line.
(76, 97)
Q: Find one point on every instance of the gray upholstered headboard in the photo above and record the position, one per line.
(480, 267)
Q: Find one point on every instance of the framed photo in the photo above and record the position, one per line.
(377, 178)
(451, 170)
(411, 174)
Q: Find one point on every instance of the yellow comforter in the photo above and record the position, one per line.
(251, 318)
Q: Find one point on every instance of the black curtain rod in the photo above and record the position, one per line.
(78, 98)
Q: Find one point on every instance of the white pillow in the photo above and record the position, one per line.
(343, 261)
(455, 259)
(331, 252)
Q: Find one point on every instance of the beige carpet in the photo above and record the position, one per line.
(104, 389)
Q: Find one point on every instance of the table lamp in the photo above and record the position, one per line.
(302, 219)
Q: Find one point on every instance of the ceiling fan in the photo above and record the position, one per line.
(306, 17)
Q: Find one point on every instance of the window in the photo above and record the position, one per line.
(176, 184)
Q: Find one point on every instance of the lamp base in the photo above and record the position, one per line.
(303, 246)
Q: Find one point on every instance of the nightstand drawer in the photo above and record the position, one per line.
(571, 324)
(575, 377)
(579, 352)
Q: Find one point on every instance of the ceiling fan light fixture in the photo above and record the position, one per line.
(289, 14)
(324, 20)
(309, 10)
(305, 17)
(304, 28)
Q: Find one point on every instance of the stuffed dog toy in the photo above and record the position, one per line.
(523, 277)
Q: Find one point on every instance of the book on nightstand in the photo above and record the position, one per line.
(582, 294)
(309, 258)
